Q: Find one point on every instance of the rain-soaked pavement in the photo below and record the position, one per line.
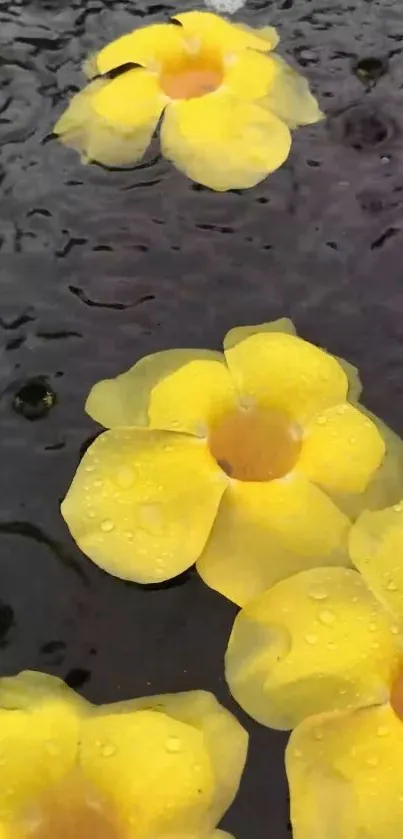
(100, 267)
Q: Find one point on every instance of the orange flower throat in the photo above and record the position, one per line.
(192, 76)
(255, 444)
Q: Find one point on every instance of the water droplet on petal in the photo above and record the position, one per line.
(398, 508)
(394, 630)
(318, 593)
(97, 483)
(326, 617)
(108, 750)
(125, 477)
(382, 731)
(375, 645)
(321, 420)
(107, 526)
(372, 761)
(391, 586)
(318, 734)
(173, 744)
(297, 753)
(372, 627)
(311, 639)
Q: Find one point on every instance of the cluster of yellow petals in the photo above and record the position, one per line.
(227, 104)
(323, 651)
(163, 766)
(252, 463)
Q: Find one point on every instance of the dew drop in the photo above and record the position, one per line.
(321, 420)
(318, 734)
(372, 627)
(197, 767)
(326, 617)
(97, 483)
(173, 744)
(108, 750)
(372, 761)
(129, 535)
(398, 508)
(375, 645)
(318, 593)
(394, 630)
(391, 586)
(89, 468)
(311, 639)
(382, 731)
(107, 526)
(297, 753)
(342, 691)
(125, 477)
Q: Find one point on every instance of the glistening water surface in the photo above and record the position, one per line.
(98, 268)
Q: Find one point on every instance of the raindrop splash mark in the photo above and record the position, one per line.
(370, 69)
(77, 677)
(32, 531)
(34, 399)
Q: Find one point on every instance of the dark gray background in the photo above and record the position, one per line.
(100, 267)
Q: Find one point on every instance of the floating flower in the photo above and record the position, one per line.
(323, 651)
(161, 766)
(229, 459)
(227, 105)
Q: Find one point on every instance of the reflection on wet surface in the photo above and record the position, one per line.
(99, 267)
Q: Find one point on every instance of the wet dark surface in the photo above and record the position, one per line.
(100, 267)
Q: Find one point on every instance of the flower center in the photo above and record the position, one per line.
(70, 811)
(255, 444)
(396, 696)
(191, 76)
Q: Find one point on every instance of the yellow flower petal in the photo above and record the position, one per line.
(219, 33)
(223, 143)
(39, 733)
(289, 96)
(239, 333)
(287, 373)
(156, 771)
(177, 390)
(386, 486)
(316, 642)
(376, 548)
(148, 46)
(345, 776)
(224, 738)
(142, 503)
(265, 532)
(250, 75)
(99, 123)
(354, 381)
(341, 450)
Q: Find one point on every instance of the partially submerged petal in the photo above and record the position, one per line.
(345, 778)
(177, 390)
(316, 642)
(289, 96)
(39, 735)
(112, 122)
(142, 503)
(342, 449)
(222, 142)
(266, 531)
(221, 34)
(284, 372)
(239, 333)
(376, 549)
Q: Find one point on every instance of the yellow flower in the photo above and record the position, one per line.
(323, 651)
(164, 766)
(230, 460)
(227, 105)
